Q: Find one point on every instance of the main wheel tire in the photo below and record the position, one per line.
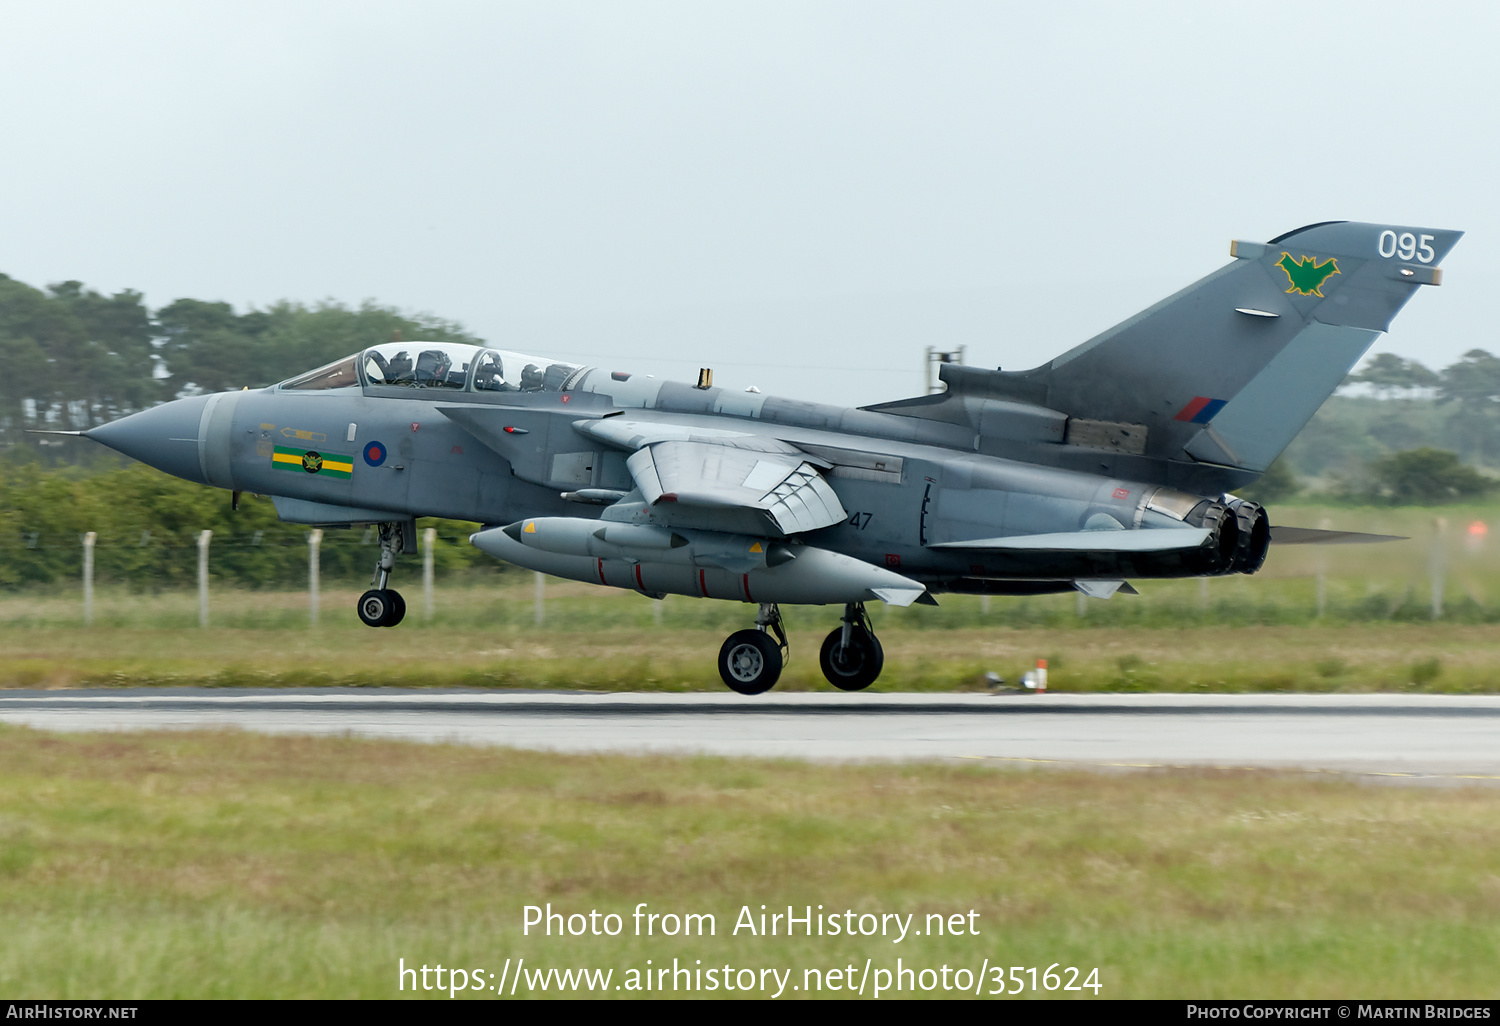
(855, 667)
(750, 662)
(374, 607)
(398, 609)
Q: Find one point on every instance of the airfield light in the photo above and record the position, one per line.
(1037, 679)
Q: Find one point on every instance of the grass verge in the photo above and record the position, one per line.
(1439, 658)
(234, 865)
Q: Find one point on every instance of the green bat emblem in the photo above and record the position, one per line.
(1307, 275)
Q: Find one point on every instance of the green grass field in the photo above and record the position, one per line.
(232, 865)
(1458, 659)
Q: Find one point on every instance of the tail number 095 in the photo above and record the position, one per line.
(1406, 246)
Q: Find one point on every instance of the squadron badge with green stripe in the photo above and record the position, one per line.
(310, 461)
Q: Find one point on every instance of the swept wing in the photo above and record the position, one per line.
(687, 476)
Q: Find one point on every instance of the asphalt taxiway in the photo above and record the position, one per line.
(1399, 738)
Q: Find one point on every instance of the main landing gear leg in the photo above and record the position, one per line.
(851, 656)
(382, 606)
(750, 661)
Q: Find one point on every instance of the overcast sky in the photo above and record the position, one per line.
(802, 195)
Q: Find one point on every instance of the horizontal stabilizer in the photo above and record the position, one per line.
(1314, 536)
(1163, 539)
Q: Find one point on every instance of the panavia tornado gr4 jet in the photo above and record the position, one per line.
(1116, 460)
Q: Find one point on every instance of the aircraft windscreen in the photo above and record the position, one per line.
(339, 374)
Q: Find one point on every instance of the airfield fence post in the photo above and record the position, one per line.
(1322, 578)
(88, 578)
(314, 543)
(203, 539)
(539, 593)
(1437, 565)
(984, 605)
(429, 542)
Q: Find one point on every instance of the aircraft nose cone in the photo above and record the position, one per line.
(165, 436)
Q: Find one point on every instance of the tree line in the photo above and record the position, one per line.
(74, 358)
(1462, 400)
(1415, 434)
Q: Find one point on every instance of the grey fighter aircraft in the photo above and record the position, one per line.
(1116, 460)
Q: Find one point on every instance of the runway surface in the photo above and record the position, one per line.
(1399, 738)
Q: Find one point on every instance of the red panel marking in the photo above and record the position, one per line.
(457, 450)
(415, 425)
(639, 583)
(1122, 493)
(566, 398)
(601, 571)
(667, 497)
(746, 580)
(891, 559)
(1192, 409)
(703, 583)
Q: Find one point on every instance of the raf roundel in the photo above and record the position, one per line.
(375, 454)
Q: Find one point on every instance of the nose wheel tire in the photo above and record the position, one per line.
(381, 607)
(855, 666)
(750, 662)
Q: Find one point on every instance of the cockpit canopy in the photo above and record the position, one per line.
(447, 365)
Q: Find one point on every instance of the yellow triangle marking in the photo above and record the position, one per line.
(755, 547)
(530, 527)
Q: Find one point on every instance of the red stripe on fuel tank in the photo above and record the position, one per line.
(601, 571)
(746, 580)
(639, 583)
(703, 583)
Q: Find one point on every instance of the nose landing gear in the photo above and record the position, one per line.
(851, 656)
(750, 661)
(382, 606)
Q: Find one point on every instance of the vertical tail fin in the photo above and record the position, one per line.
(1228, 370)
